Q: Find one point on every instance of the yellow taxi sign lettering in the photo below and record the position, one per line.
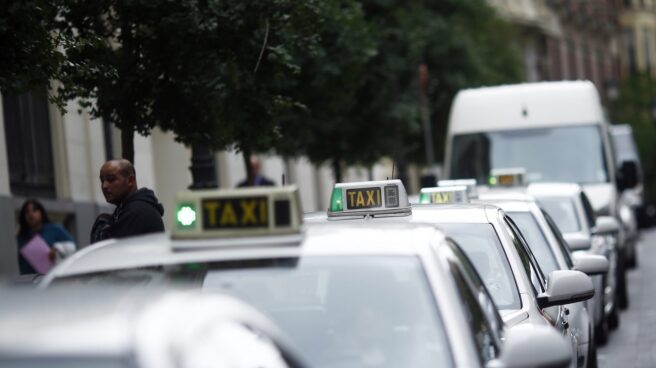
(241, 212)
(369, 198)
(443, 195)
(507, 177)
(234, 212)
(363, 198)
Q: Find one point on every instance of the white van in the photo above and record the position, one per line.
(556, 131)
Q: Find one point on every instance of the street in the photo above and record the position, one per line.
(632, 344)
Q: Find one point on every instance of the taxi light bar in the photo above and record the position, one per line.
(256, 211)
(369, 198)
(511, 177)
(444, 195)
(470, 184)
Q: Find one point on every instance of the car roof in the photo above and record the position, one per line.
(161, 249)
(554, 189)
(32, 322)
(526, 105)
(65, 322)
(449, 213)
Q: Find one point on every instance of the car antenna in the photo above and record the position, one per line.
(283, 179)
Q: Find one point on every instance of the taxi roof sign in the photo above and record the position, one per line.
(511, 177)
(255, 211)
(470, 184)
(369, 198)
(444, 195)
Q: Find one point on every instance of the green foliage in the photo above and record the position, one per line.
(216, 73)
(362, 91)
(28, 39)
(335, 80)
(635, 107)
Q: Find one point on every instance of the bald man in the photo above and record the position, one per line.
(137, 211)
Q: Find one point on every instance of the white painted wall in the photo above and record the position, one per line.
(97, 157)
(81, 146)
(144, 162)
(4, 165)
(171, 168)
(303, 176)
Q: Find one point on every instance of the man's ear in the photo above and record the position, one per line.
(132, 181)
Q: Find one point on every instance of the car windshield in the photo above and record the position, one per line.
(339, 311)
(561, 154)
(348, 311)
(536, 240)
(563, 211)
(482, 246)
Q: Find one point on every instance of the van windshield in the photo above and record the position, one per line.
(556, 154)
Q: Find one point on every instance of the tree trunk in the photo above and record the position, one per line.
(246, 153)
(127, 144)
(337, 170)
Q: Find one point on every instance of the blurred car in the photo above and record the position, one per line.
(536, 127)
(631, 201)
(552, 253)
(507, 267)
(91, 327)
(347, 294)
(585, 232)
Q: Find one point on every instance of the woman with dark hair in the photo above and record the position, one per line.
(33, 220)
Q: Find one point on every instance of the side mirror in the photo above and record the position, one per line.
(578, 241)
(627, 175)
(606, 225)
(591, 264)
(566, 287)
(519, 348)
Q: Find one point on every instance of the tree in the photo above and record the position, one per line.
(331, 127)
(362, 92)
(216, 73)
(29, 41)
(635, 107)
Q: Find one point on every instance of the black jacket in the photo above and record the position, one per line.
(140, 213)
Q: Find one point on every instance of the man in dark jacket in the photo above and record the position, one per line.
(137, 210)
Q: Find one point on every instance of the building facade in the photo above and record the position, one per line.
(568, 40)
(56, 159)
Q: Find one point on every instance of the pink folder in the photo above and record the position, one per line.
(36, 251)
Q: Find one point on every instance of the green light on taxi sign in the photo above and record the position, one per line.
(336, 202)
(424, 198)
(492, 180)
(186, 215)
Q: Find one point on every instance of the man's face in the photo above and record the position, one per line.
(115, 186)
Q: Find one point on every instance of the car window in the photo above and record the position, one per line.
(470, 298)
(536, 240)
(562, 243)
(484, 297)
(541, 151)
(563, 211)
(530, 266)
(482, 246)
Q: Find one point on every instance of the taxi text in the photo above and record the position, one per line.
(235, 212)
(363, 198)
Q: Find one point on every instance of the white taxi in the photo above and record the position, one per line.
(347, 294)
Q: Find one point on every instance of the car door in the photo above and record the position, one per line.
(480, 311)
(557, 316)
